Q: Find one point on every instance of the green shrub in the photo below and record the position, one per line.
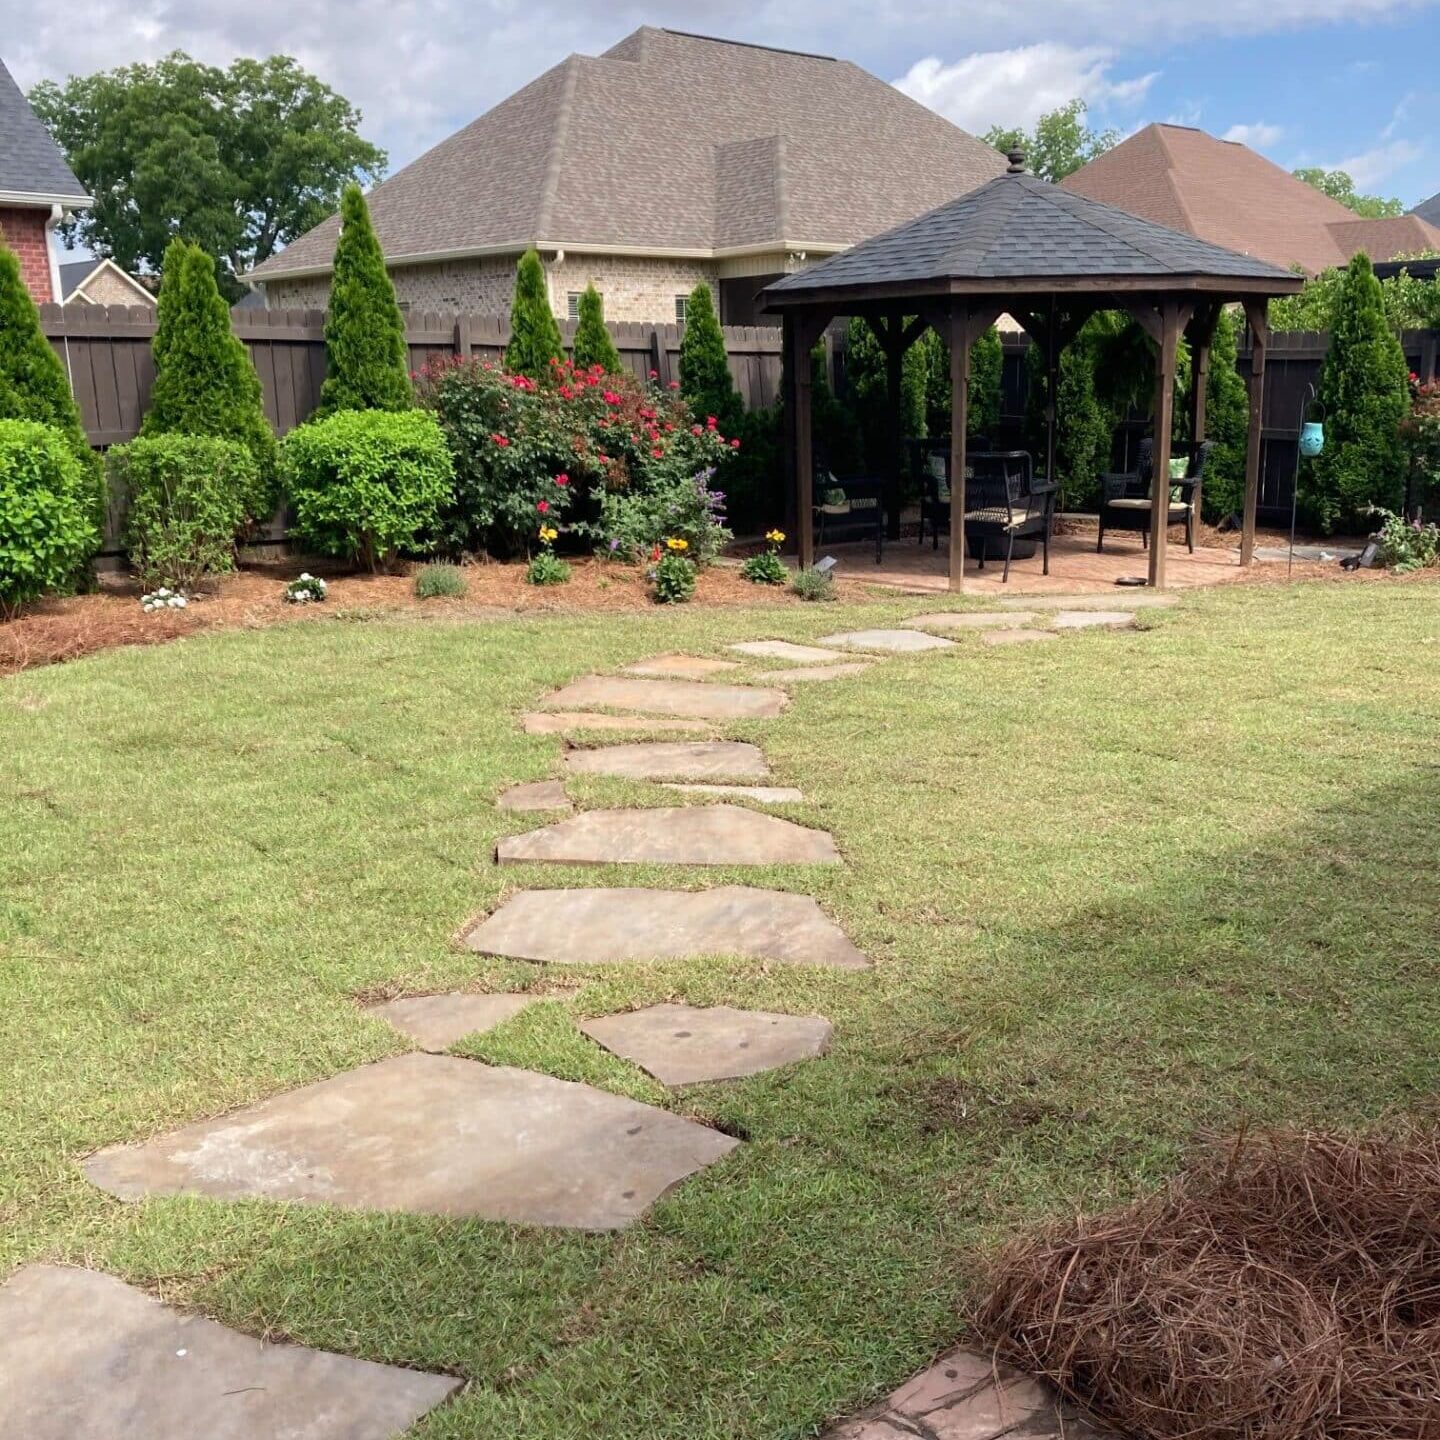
(306, 589)
(867, 391)
(187, 496)
(47, 512)
(593, 345)
(1084, 426)
(767, 568)
(367, 361)
(204, 381)
(1364, 387)
(367, 484)
(813, 584)
(674, 577)
(1227, 423)
(705, 380)
(987, 362)
(547, 568)
(534, 335)
(1407, 545)
(437, 582)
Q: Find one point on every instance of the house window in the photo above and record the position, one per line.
(572, 305)
(680, 309)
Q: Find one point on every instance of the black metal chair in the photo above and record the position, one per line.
(851, 507)
(933, 473)
(1004, 502)
(1125, 499)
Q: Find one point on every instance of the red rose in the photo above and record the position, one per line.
(658, 454)
(710, 422)
(695, 430)
(674, 384)
(565, 479)
(654, 374)
(500, 440)
(543, 507)
(734, 444)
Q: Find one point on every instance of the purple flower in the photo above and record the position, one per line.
(614, 546)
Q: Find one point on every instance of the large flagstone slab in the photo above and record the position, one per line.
(1131, 598)
(535, 795)
(898, 641)
(689, 699)
(785, 650)
(1089, 619)
(573, 722)
(432, 1135)
(689, 1044)
(673, 760)
(806, 674)
(765, 794)
(684, 667)
(682, 835)
(612, 926)
(436, 1022)
(970, 619)
(84, 1356)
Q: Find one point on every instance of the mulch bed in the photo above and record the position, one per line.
(1287, 1287)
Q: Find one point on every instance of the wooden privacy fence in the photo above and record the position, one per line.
(106, 353)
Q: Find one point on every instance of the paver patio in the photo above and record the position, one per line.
(673, 760)
(432, 1135)
(615, 926)
(83, 1356)
(436, 1022)
(689, 699)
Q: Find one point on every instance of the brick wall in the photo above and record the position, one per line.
(23, 230)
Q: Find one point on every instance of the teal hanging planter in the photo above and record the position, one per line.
(1312, 439)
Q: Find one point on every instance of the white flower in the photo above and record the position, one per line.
(179, 602)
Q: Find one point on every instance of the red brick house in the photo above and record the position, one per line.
(36, 191)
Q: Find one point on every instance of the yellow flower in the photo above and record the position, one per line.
(677, 544)
(775, 537)
(548, 533)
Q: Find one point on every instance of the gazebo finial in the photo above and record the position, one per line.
(1017, 161)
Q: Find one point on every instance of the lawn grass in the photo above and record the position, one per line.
(1119, 890)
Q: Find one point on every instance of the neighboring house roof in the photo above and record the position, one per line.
(76, 275)
(671, 144)
(1429, 210)
(1018, 230)
(1224, 192)
(32, 169)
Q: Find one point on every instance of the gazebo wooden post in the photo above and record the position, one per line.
(1167, 334)
(799, 332)
(961, 337)
(1201, 332)
(1257, 314)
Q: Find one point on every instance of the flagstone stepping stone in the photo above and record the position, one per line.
(82, 1354)
(436, 1022)
(571, 722)
(682, 835)
(613, 926)
(970, 619)
(1015, 637)
(690, 699)
(687, 1044)
(686, 667)
(673, 760)
(536, 795)
(1087, 619)
(785, 650)
(431, 1135)
(1102, 600)
(807, 673)
(899, 641)
(766, 794)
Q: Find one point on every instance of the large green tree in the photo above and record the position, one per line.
(705, 379)
(987, 361)
(239, 161)
(1227, 419)
(366, 356)
(534, 335)
(593, 345)
(1060, 143)
(1338, 185)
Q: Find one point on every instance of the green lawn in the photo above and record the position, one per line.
(1119, 889)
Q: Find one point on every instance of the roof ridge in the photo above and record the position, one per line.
(558, 138)
(1170, 163)
(1052, 194)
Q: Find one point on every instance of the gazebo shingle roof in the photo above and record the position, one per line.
(1017, 229)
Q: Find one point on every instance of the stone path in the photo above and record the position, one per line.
(616, 926)
(83, 1356)
(765, 794)
(1085, 619)
(570, 723)
(684, 667)
(786, 650)
(432, 1135)
(680, 835)
(536, 795)
(896, 641)
(673, 760)
(969, 619)
(686, 1044)
(689, 699)
(805, 674)
(436, 1022)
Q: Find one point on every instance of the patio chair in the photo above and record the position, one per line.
(851, 507)
(1125, 499)
(934, 475)
(1004, 501)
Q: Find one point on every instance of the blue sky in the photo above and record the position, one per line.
(1325, 82)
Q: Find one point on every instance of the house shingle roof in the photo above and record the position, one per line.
(30, 161)
(1429, 210)
(672, 143)
(1018, 230)
(1224, 192)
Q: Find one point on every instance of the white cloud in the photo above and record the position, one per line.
(1259, 136)
(1370, 167)
(1016, 87)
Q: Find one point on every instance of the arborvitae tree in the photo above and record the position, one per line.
(1227, 423)
(867, 391)
(593, 345)
(534, 335)
(705, 380)
(365, 346)
(204, 381)
(987, 359)
(1364, 390)
(1082, 424)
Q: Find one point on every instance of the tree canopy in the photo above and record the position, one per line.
(1338, 185)
(239, 161)
(1060, 143)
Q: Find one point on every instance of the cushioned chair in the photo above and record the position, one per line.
(1125, 499)
(851, 508)
(933, 473)
(1005, 503)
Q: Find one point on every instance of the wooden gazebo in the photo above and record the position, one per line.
(1051, 259)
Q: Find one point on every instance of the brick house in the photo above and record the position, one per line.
(1222, 191)
(668, 160)
(101, 282)
(37, 191)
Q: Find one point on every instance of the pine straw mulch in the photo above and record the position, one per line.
(1287, 1286)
